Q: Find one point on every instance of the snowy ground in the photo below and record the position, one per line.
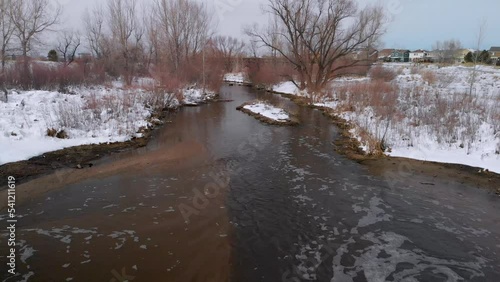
(286, 87)
(236, 78)
(268, 111)
(195, 96)
(92, 116)
(429, 116)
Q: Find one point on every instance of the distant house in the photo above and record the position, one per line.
(365, 54)
(400, 56)
(461, 53)
(385, 55)
(494, 53)
(420, 56)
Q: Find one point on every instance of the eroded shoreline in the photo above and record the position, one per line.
(400, 168)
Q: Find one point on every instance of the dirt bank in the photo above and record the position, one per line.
(172, 156)
(409, 170)
(75, 157)
(401, 168)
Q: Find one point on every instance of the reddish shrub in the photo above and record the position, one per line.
(44, 76)
(378, 72)
(268, 72)
(429, 77)
(349, 67)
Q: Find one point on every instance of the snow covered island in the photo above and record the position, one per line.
(267, 113)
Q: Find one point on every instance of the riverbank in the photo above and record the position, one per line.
(31, 185)
(423, 112)
(350, 146)
(77, 157)
(97, 123)
(172, 200)
(399, 168)
(416, 173)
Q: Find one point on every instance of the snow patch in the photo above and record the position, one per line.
(269, 111)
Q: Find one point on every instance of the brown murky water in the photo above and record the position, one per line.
(219, 196)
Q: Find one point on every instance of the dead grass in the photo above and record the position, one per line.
(429, 77)
(382, 111)
(378, 72)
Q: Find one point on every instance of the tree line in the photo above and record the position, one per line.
(173, 41)
(310, 42)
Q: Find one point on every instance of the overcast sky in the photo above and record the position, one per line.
(415, 23)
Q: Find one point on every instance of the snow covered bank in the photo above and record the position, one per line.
(268, 113)
(194, 96)
(236, 78)
(92, 116)
(425, 113)
(286, 87)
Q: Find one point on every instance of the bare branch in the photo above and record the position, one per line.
(315, 35)
(31, 18)
(68, 43)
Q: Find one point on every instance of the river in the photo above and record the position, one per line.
(219, 196)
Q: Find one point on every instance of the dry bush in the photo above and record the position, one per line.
(356, 68)
(375, 106)
(429, 77)
(94, 72)
(269, 72)
(342, 95)
(166, 79)
(13, 75)
(385, 112)
(378, 72)
(72, 75)
(264, 74)
(373, 144)
(199, 73)
(44, 76)
(341, 92)
(158, 98)
(399, 71)
(98, 110)
(414, 69)
(214, 73)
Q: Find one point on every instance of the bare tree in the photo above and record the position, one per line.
(7, 29)
(446, 51)
(94, 30)
(31, 18)
(229, 49)
(474, 73)
(126, 31)
(152, 42)
(68, 43)
(318, 37)
(253, 48)
(184, 28)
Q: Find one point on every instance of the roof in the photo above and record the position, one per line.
(401, 50)
(420, 51)
(495, 49)
(386, 51)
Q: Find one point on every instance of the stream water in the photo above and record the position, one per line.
(258, 203)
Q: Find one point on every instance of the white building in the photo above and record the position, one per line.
(420, 56)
